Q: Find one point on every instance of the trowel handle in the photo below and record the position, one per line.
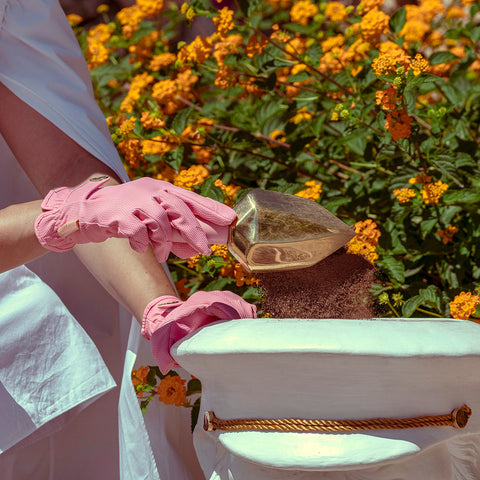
(215, 234)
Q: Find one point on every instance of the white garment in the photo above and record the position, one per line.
(41, 63)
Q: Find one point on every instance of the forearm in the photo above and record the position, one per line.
(18, 242)
(133, 279)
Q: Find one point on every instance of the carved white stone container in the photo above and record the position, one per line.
(337, 370)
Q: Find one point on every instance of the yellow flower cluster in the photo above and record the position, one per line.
(224, 22)
(227, 45)
(367, 5)
(172, 390)
(130, 18)
(337, 57)
(131, 149)
(144, 47)
(301, 115)
(404, 195)
(97, 53)
(365, 241)
(195, 52)
(312, 192)
(220, 251)
(195, 175)
(447, 234)
(419, 64)
(194, 136)
(150, 8)
(303, 11)
(464, 305)
(138, 84)
(127, 126)
(392, 56)
(243, 277)
(419, 19)
(162, 60)
(255, 45)
(168, 93)
(336, 11)
(432, 192)
(374, 24)
(159, 145)
(229, 191)
(74, 19)
(150, 121)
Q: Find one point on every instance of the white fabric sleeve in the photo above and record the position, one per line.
(42, 64)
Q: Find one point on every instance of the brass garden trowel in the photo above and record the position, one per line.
(277, 231)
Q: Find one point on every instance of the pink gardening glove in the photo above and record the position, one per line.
(145, 211)
(168, 319)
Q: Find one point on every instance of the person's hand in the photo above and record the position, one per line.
(168, 319)
(145, 211)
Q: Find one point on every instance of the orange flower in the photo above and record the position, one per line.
(404, 194)
(172, 390)
(312, 192)
(336, 11)
(447, 234)
(387, 98)
(464, 305)
(139, 376)
(398, 123)
(374, 24)
(432, 192)
(243, 277)
(182, 290)
(365, 241)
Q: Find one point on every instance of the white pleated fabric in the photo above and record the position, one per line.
(64, 346)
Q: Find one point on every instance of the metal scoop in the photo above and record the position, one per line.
(277, 231)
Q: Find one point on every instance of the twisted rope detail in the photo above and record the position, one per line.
(458, 418)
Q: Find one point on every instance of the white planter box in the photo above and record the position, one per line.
(333, 370)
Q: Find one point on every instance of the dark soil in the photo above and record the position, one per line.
(336, 287)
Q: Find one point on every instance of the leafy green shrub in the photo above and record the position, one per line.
(375, 115)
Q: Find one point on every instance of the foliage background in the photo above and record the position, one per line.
(317, 99)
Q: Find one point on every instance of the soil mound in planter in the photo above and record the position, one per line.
(337, 287)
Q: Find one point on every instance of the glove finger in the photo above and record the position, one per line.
(224, 305)
(184, 222)
(182, 250)
(205, 208)
(160, 344)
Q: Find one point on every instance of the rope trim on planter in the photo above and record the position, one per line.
(458, 418)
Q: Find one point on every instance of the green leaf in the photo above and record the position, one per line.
(410, 305)
(208, 189)
(194, 414)
(438, 58)
(194, 386)
(395, 268)
(144, 405)
(398, 19)
(448, 169)
(180, 121)
(175, 158)
(151, 377)
(426, 226)
(464, 195)
(431, 297)
(218, 283)
(464, 160)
